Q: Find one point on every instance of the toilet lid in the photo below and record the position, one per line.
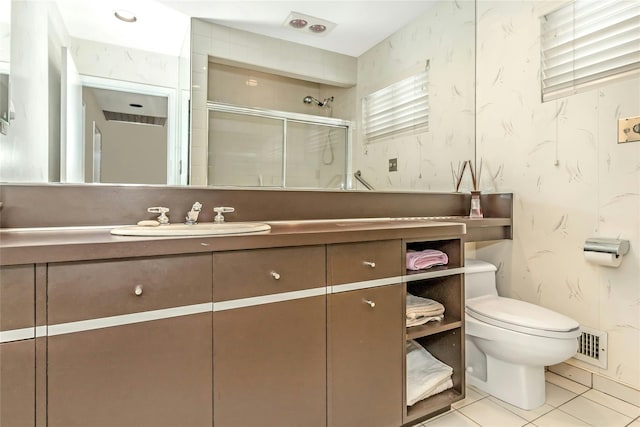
(519, 316)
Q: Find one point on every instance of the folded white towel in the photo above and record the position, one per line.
(422, 320)
(417, 306)
(422, 310)
(426, 375)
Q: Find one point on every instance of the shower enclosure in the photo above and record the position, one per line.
(254, 147)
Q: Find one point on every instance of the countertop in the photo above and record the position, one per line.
(64, 244)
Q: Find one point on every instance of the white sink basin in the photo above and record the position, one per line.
(201, 229)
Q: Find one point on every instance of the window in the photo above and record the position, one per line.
(588, 42)
(400, 107)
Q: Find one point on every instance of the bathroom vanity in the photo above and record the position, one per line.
(301, 325)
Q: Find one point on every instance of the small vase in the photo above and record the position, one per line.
(476, 208)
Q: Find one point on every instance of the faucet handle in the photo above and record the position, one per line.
(192, 215)
(220, 210)
(162, 218)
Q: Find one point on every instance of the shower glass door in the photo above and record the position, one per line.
(258, 148)
(245, 150)
(315, 155)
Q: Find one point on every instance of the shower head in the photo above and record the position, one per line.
(310, 99)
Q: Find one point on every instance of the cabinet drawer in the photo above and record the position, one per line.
(243, 274)
(17, 297)
(358, 262)
(87, 290)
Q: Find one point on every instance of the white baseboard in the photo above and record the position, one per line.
(598, 382)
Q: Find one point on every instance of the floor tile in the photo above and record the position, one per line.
(489, 414)
(471, 395)
(636, 423)
(523, 413)
(556, 395)
(451, 419)
(594, 413)
(557, 418)
(611, 402)
(565, 383)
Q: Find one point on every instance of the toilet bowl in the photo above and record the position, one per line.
(509, 342)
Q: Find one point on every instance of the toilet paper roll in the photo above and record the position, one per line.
(602, 258)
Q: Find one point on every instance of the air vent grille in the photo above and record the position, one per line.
(592, 347)
(134, 118)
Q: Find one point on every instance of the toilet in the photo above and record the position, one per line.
(509, 342)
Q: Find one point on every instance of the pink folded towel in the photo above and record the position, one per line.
(420, 260)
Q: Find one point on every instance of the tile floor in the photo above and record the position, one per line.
(568, 404)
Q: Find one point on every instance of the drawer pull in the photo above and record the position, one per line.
(370, 264)
(371, 303)
(138, 290)
(275, 275)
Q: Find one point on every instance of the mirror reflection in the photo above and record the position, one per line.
(212, 59)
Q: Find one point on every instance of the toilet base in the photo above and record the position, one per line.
(520, 385)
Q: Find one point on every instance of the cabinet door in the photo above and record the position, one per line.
(130, 343)
(269, 366)
(17, 351)
(151, 374)
(365, 357)
(17, 383)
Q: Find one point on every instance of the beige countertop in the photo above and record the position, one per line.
(28, 246)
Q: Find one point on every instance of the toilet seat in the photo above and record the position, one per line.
(521, 316)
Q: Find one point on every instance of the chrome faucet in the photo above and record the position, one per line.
(192, 215)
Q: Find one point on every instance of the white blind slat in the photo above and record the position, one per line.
(587, 41)
(401, 106)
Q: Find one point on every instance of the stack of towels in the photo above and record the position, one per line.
(426, 375)
(420, 260)
(422, 310)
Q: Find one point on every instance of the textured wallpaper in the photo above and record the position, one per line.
(444, 36)
(570, 178)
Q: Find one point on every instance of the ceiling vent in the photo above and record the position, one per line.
(309, 24)
(113, 116)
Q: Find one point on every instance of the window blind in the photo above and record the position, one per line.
(401, 106)
(587, 42)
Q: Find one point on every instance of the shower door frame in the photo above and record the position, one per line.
(287, 116)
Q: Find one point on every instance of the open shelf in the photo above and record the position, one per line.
(432, 273)
(443, 339)
(433, 405)
(446, 324)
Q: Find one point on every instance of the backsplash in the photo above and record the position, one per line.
(570, 178)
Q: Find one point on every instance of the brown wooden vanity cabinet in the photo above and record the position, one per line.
(443, 339)
(17, 350)
(110, 363)
(365, 334)
(293, 336)
(269, 337)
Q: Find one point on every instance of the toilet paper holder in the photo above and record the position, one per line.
(609, 246)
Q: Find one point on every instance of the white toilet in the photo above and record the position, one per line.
(509, 342)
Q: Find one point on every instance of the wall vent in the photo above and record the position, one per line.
(592, 347)
(114, 116)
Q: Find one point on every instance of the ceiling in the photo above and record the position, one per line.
(163, 25)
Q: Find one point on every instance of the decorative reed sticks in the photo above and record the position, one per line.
(459, 174)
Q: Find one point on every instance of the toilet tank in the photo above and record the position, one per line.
(479, 278)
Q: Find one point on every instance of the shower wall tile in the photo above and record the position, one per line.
(570, 179)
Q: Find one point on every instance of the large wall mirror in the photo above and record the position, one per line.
(95, 99)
